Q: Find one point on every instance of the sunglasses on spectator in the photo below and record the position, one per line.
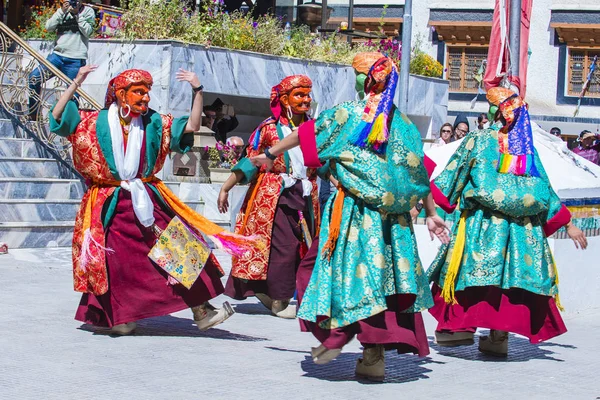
(446, 131)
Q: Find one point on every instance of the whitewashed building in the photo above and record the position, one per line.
(564, 38)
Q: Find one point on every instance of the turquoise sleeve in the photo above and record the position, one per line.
(68, 122)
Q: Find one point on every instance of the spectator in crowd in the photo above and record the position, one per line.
(209, 117)
(587, 148)
(445, 135)
(237, 143)
(482, 121)
(73, 23)
(461, 126)
(556, 132)
(225, 121)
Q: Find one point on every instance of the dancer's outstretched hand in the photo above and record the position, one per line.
(188, 76)
(223, 201)
(577, 236)
(260, 160)
(437, 227)
(83, 73)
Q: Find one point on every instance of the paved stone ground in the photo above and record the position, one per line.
(46, 354)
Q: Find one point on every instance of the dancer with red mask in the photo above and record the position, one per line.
(119, 150)
(278, 204)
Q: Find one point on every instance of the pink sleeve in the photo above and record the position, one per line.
(429, 165)
(308, 144)
(440, 199)
(560, 219)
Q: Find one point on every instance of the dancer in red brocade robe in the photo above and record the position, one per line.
(119, 150)
(275, 205)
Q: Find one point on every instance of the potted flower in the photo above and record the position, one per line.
(221, 159)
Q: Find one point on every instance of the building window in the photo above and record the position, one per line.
(578, 70)
(462, 65)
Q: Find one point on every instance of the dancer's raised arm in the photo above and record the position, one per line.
(68, 94)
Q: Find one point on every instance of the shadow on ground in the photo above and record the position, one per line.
(253, 308)
(519, 350)
(399, 368)
(169, 325)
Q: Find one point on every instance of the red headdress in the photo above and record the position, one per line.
(285, 87)
(123, 81)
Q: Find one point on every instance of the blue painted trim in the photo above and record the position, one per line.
(545, 118)
(582, 202)
(561, 98)
(441, 50)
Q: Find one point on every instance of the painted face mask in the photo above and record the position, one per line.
(298, 100)
(130, 88)
(137, 98)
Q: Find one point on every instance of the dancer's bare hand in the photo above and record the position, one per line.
(260, 160)
(223, 201)
(188, 76)
(577, 236)
(83, 73)
(438, 228)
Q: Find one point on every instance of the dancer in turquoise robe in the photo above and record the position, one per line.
(498, 271)
(363, 276)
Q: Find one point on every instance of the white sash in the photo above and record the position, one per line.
(128, 163)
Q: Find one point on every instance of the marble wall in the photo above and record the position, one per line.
(238, 73)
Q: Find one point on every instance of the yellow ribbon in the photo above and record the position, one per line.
(455, 261)
(556, 296)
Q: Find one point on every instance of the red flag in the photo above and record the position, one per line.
(498, 60)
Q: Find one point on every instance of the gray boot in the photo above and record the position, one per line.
(372, 365)
(496, 344)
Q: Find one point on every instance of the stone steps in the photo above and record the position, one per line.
(40, 188)
(29, 167)
(36, 234)
(17, 147)
(6, 128)
(21, 167)
(38, 210)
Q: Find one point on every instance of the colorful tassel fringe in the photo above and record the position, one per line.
(517, 165)
(373, 131)
(335, 223)
(86, 252)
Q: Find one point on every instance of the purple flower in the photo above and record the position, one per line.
(255, 24)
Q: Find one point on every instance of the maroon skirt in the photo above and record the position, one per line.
(514, 310)
(404, 332)
(138, 288)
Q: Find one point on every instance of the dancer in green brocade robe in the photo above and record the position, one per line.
(498, 271)
(363, 277)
